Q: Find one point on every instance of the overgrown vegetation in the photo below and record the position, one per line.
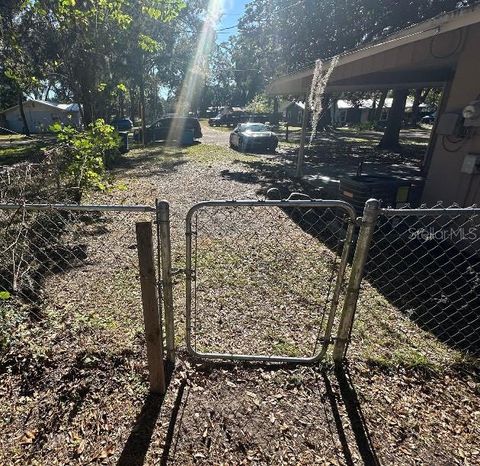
(85, 154)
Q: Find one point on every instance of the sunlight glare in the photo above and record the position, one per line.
(198, 70)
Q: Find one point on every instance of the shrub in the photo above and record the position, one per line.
(84, 153)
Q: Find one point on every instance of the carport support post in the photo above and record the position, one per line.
(151, 315)
(163, 220)
(301, 150)
(367, 227)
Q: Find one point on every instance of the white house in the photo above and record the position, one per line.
(40, 115)
(344, 111)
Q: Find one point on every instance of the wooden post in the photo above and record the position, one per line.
(151, 315)
(301, 150)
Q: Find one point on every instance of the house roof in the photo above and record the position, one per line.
(63, 107)
(422, 55)
(296, 103)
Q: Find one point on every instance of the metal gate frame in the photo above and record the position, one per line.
(190, 275)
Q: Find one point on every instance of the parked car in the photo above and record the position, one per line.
(175, 127)
(122, 124)
(235, 118)
(227, 119)
(254, 136)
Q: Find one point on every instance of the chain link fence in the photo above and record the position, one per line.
(70, 265)
(265, 277)
(420, 300)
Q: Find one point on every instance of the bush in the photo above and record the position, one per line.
(85, 153)
(260, 104)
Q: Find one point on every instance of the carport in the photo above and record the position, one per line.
(441, 52)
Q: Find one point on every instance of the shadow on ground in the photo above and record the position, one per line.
(222, 411)
(434, 282)
(155, 159)
(140, 437)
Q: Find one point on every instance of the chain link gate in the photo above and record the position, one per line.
(264, 278)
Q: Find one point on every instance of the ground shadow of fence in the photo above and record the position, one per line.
(433, 282)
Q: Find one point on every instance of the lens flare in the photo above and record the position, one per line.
(197, 72)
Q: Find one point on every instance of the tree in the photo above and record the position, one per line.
(420, 96)
(380, 105)
(285, 36)
(390, 139)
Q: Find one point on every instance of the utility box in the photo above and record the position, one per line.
(356, 190)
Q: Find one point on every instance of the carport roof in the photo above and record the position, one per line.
(423, 55)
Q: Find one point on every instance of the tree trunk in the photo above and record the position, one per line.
(325, 117)
(142, 109)
(390, 139)
(373, 109)
(276, 115)
(416, 106)
(26, 129)
(133, 105)
(381, 103)
(420, 97)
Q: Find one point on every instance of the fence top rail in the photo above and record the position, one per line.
(275, 203)
(433, 212)
(80, 208)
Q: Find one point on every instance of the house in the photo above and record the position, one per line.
(345, 112)
(292, 112)
(438, 53)
(40, 115)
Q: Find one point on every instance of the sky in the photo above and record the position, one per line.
(233, 11)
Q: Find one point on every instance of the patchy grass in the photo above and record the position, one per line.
(20, 153)
(12, 137)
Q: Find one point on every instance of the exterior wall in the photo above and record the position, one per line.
(445, 182)
(39, 117)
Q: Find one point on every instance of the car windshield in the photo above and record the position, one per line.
(253, 128)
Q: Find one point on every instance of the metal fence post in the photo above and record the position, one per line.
(369, 220)
(151, 316)
(163, 222)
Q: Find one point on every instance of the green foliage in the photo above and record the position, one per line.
(85, 153)
(284, 36)
(260, 104)
(4, 295)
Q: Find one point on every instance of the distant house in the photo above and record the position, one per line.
(344, 112)
(40, 115)
(293, 112)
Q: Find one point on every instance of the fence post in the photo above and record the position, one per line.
(367, 227)
(151, 315)
(163, 222)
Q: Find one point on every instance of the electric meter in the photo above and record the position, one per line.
(471, 113)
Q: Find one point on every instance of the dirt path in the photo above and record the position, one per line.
(80, 395)
(216, 136)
